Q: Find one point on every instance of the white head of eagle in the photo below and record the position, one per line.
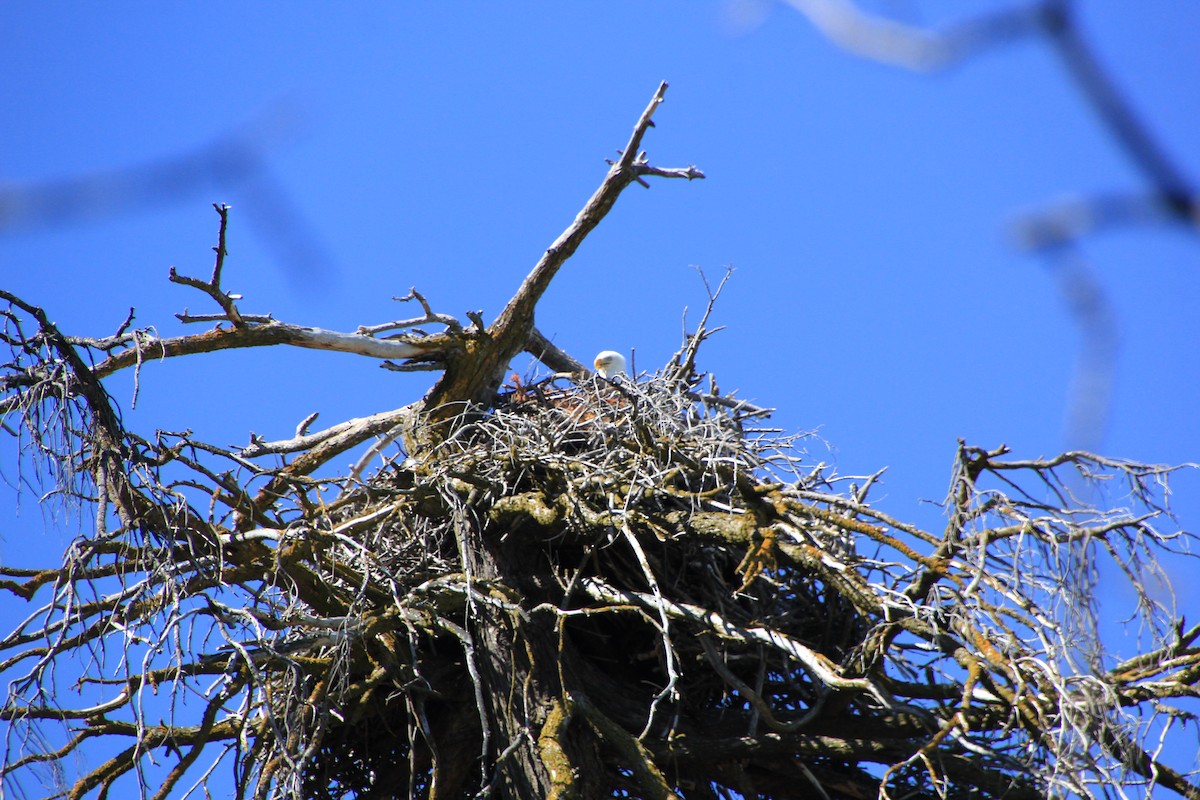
(610, 363)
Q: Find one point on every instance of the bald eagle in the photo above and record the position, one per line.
(610, 363)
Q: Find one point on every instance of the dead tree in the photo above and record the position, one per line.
(571, 588)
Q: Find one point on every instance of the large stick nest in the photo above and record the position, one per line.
(577, 588)
(627, 584)
(601, 488)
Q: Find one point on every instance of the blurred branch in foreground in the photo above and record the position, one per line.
(1057, 228)
(924, 50)
(237, 161)
(911, 47)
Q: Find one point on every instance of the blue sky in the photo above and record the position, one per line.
(877, 299)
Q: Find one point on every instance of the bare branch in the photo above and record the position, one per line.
(212, 287)
(549, 354)
(622, 172)
(474, 374)
(452, 325)
(273, 332)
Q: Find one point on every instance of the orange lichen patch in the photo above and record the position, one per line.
(760, 557)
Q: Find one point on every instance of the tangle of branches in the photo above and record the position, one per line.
(565, 587)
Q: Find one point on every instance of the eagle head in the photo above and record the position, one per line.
(610, 363)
